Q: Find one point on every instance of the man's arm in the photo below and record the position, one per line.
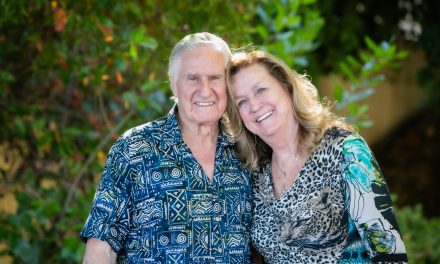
(99, 252)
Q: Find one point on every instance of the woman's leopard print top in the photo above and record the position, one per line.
(337, 210)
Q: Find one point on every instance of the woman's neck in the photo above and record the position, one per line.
(287, 145)
(284, 155)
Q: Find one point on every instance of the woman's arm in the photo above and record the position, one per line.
(369, 202)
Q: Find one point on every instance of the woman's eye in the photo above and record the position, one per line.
(241, 103)
(260, 90)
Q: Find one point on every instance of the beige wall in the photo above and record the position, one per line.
(394, 100)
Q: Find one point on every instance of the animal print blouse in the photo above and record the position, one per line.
(338, 210)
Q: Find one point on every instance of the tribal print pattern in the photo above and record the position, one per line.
(156, 205)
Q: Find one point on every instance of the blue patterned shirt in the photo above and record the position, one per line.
(155, 204)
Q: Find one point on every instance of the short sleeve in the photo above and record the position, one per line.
(109, 217)
(369, 203)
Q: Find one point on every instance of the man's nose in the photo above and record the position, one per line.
(206, 86)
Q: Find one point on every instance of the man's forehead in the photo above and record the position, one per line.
(208, 69)
(204, 73)
(204, 60)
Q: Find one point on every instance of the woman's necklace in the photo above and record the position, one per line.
(285, 174)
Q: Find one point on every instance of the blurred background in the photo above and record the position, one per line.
(75, 74)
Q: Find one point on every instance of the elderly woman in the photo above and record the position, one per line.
(319, 195)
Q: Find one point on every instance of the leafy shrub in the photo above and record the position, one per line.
(420, 234)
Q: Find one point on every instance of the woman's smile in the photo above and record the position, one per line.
(264, 116)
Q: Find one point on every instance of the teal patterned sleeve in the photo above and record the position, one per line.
(369, 203)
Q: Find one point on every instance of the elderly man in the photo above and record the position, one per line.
(173, 190)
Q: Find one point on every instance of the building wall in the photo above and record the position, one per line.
(394, 100)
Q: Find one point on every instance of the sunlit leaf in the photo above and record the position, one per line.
(60, 19)
(133, 52)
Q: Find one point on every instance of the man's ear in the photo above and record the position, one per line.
(172, 84)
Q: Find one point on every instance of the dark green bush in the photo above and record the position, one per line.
(420, 234)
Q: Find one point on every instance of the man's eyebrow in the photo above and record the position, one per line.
(217, 75)
(190, 74)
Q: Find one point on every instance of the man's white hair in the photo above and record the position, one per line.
(192, 41)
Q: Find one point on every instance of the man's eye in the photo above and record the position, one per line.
(215, 77)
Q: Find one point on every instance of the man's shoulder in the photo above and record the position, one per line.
(145, 130)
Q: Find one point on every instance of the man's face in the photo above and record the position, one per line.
(200, 87)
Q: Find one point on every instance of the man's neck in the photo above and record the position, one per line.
(200, 136)
(202, 141)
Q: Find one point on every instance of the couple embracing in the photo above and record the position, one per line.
(248, 157)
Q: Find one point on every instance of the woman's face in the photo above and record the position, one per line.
(264, 105)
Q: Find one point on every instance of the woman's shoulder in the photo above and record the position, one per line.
(334, 136)
(335, 132)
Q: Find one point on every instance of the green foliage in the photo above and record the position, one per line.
(34, 231)
(420, 234)
(347, 22)
(363, 74)
(429, 79)
(289, 29)
(429, 76)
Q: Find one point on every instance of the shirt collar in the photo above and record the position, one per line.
(175, 134)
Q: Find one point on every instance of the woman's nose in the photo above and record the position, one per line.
(255, 105)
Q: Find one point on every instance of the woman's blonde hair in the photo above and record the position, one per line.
(312, 116)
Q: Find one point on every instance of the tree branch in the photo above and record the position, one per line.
(92, 156)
